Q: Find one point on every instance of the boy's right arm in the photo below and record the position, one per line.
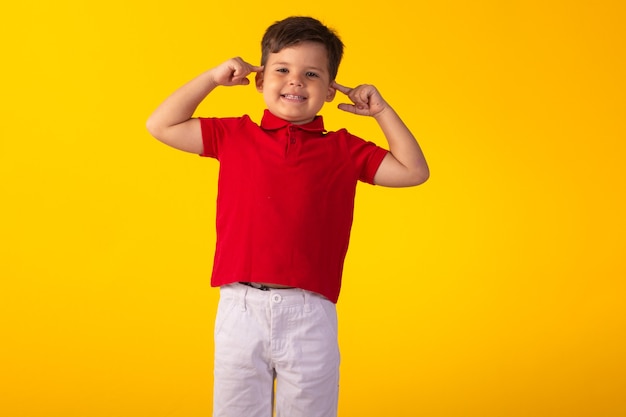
(172, 122)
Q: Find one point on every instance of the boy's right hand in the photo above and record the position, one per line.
(173, 123)
(234, 72)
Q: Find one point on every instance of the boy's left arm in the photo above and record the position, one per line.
(404, 165)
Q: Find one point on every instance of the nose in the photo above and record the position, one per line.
(296, 81)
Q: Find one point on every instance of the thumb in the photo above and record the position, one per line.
(350, 108)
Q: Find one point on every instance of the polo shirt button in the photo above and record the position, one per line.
(277, 298)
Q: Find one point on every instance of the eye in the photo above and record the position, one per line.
(283, 70)
(311, 74)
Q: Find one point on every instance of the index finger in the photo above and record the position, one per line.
(343, 89)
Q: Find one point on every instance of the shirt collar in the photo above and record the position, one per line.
(272, 122)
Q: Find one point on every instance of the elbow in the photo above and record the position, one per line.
(402, 176)
(410, 179)
(420, 177)
(157, 130)
(423, 178)
(153, 127)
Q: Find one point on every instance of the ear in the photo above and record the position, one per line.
(330, 95)
(258, 79)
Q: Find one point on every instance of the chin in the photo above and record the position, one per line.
(296, 119)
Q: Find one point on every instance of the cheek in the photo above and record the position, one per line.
(269, 84)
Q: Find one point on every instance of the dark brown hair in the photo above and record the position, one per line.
(296, 29)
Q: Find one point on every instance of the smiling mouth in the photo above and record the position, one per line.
(293, 97)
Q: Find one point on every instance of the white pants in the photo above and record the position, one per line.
(289, 336)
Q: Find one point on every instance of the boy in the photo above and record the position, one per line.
(284, 212)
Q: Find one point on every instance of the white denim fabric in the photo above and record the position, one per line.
(286, 335)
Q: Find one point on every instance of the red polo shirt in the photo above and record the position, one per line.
(285, 200)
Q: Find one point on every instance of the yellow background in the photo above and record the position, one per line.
(497, 289)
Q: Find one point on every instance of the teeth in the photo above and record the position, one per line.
(292, 97)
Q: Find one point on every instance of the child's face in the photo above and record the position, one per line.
(295, 82)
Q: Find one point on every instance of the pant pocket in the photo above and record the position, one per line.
(225, 308)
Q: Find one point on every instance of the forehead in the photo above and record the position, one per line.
(311, 54)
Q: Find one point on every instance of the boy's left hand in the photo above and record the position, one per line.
(366, 98)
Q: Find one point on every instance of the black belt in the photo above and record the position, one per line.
(257, 286)
(261, 286)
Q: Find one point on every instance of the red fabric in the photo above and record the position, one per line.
(285, 200)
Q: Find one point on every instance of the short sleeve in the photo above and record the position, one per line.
(367, 157)
(212, 134)
(215, 130)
